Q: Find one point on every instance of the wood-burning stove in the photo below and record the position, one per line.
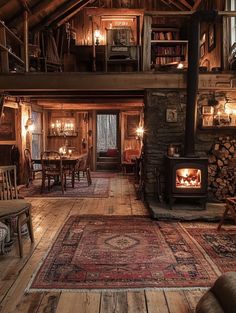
(186, 178)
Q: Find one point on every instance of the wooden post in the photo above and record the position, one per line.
(147, 43)
(3, 53)
(192, 85)
(94, 48)
(26, 40)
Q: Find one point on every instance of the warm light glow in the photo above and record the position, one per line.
(97, 36)
(62, 128)
(29, 125)
(188, 178)
(140, 131)
(180, 66)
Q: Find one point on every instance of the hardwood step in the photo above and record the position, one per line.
(108, 166)
(108, 159)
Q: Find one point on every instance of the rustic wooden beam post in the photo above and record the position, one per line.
(94, 48)
(147, 28)
(192, 85)
(26, 40)
(4, 58)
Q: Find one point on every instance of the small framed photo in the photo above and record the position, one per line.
(211, 37)
(207, 109)
(232, 120)
(171, 115)
(207, 120)
(202, 50)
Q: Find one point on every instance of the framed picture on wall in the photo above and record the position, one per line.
(7, 125)
(211, 37)
(131, 124)
(171, 115)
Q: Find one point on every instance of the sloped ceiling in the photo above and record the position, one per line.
(41, 12)
(51, 12)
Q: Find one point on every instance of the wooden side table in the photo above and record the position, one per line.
(230, 208)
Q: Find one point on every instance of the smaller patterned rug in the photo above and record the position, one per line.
(219, 245)
(93, 252)
(99, 188)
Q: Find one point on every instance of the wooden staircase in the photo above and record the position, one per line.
(105, 163)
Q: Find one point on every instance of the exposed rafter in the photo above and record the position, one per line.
(196, 4)
(36, 14)
(62, 14)
(186, 4)
(82, 4)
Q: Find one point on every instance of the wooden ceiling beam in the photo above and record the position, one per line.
(186, 4)
(89, 106)
(75, 81)
(196, 4)
(25, 5)
(69, 14)
(114, 12)
(36, 12)
(61, 13)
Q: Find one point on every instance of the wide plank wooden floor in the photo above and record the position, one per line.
(48, 217)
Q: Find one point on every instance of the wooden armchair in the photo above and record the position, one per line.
(52, 168)
(29, 166)
(84, 166)
(129, 156)
(16, 212)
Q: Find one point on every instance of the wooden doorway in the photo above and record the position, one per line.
(108, 141)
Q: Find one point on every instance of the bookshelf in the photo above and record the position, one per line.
(166, 47)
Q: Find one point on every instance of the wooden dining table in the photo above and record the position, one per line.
(69, 162)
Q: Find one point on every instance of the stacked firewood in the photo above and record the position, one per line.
(222, 169)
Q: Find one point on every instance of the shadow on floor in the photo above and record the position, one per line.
(186, 211)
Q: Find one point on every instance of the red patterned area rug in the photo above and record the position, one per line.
(99, 188)
(219, 245)
(93, 252)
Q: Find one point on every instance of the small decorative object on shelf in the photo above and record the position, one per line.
(219, 116)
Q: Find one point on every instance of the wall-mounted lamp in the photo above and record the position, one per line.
(29, 125)
(97, 36)
(139, 132)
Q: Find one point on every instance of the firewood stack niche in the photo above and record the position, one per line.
(222, 168)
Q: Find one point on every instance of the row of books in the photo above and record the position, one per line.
(167, 60)
(165, 35)
(175, 50)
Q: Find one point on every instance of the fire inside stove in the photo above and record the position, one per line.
(188, 178)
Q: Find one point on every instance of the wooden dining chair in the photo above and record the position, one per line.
(16, 212)
(52, 168)
(84, 166)
(30, 168)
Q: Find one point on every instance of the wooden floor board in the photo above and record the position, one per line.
(49, 215)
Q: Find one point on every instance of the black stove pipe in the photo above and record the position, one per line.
(192, 86)
(192, 78)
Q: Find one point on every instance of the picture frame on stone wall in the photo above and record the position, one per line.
(232, 120)
(207, 109)
(211, 37)
(171, 115)
(207, 120)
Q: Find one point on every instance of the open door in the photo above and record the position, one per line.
(108, 156)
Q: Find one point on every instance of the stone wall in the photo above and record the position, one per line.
(159, 133)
